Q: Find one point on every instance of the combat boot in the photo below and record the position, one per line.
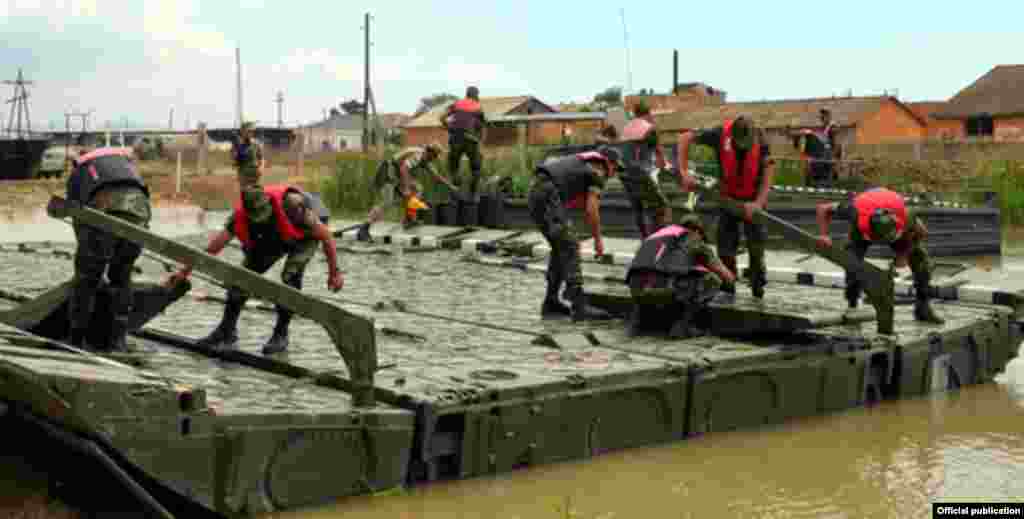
(634, 326)
(922, 307)
(278, 342)
(119, 338)
(553, 306)
(364, 233)
(77, 337)
(924, 312)
(726, 296)
(581, 311)
(226, 333)
(683, 327)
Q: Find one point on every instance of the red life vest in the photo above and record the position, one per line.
(880, 198)
(737, 184)
(285, 228)
(464, 115)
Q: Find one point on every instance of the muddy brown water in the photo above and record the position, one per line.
(889, 460)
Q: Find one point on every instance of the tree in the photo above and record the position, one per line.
(353, 107)
(610, 97)
(429, 102)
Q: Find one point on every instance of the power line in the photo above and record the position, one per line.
(625, 47)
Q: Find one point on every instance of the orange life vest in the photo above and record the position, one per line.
(735, 183)
(464, 115)
(879, 198)
(285, 228)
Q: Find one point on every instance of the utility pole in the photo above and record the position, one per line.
(170, 120)
(625, 44)
(20, 105)
(279, 100)
(238, 69)
(366, 88)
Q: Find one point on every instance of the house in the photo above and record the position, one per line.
(688, 96)
(343, 131)
(859, 120)
(992, 106)
(427, 128)
(927, 110)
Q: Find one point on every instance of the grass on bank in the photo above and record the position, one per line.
(346, 179)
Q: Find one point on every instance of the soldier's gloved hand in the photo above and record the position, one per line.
(824, 241)
(598, 247)
(177, 277)
(900, 261)
(335, 281)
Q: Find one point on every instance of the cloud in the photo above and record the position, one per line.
(169, 32)
(303, 62)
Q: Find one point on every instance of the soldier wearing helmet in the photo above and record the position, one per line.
(561, 183)
(881, 216)
(674, 275)
(396, 181)
(247, 154)
(644, 161)
(465, 122)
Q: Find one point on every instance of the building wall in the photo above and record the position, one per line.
(1009, 129)
(890, 123)
(949, 128)
(684, 100)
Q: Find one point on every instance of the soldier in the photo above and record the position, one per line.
(298, 223)
(465, 122)
(248, 156)
(396, 181)
(105, 179)
(644, 159)
(570, 182)
(747, 173)
(881, 216)
(818, 149)
(675, 274)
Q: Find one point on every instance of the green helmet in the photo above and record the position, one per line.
(883, 226)
(641, 109)
(692, 221)
(743, 129)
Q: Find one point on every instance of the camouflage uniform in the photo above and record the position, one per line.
(920, 263)
(728, 232)
(248, 155)
(664, 298)
(99, 250)
(268, 249)
(389, 179)
(464, 138)
(641, 179)
(557, 182)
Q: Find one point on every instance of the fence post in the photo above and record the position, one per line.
(177, 182)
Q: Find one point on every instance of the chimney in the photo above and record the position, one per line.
(675, 71)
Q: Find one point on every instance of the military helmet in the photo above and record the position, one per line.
(692, 221)
(743, 129)
(613, 155)
(883, 226)
(641, 109)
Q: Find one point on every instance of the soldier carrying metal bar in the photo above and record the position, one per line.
(298, 222)
(674, 274)
(564, 183)
(107, 180)
(881, 216)
(747, 174)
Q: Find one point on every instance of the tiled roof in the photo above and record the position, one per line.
(999, 92)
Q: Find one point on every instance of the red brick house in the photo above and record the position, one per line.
(991, 107)
(859, 120)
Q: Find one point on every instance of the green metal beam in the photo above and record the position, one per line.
(353, 336)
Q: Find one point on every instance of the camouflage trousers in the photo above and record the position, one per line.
(660, 300)
(99, 251)
(920, 267)
(264, 255)
(459, 145)
(645, 194)
(729, 243)
(548, 212)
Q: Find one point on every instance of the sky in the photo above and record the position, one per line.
(133, 61)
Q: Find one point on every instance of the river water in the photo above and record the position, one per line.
(889, 460)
